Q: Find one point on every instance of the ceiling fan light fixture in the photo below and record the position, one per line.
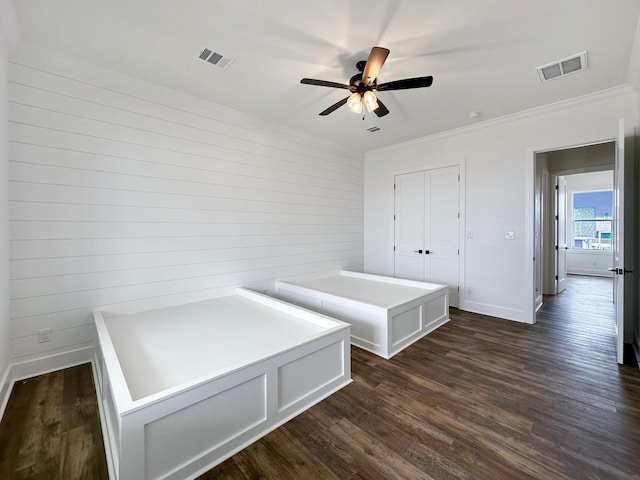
(355, 103)
(361, 85)
(370, 101)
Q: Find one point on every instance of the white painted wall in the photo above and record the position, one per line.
(4, 223)
(125, 195)
(586, 262)
(499, 192)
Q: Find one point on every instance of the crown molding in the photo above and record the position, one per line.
(544, 109)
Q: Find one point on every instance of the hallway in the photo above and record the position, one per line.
(585, 310)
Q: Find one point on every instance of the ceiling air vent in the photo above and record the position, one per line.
(373, 129)
(214, 58)
(560, 68)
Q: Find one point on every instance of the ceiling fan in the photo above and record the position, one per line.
(363, 84)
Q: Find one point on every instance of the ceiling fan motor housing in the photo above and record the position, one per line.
(360, 86)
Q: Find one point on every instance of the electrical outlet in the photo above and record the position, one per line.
(44, 335)
(509, 235)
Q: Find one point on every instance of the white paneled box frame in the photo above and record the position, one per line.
(386, 314)
(183, 388)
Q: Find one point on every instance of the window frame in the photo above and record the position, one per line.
(572, 221)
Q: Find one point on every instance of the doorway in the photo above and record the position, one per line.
(559, 175)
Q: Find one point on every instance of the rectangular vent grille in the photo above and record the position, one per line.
(560, 68)
(373, 129)
(214, 58)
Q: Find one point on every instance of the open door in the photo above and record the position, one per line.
(618, 242)
(561, 234)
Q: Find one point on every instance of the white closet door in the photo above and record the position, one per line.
(409, 226)
(427, 227)
(442, 197)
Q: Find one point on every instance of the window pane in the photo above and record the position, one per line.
(595, 204)
(592, 220)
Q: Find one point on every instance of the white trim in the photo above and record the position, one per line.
(533, 112)
(586, 251)
(498, 311)
(529, 234)
(39, 366)
(589, 272)
(108, 451)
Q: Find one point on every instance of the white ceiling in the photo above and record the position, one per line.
(482, 54)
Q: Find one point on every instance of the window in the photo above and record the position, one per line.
(592, 222)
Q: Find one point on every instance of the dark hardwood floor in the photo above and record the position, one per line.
(51, 430)
(480, 398)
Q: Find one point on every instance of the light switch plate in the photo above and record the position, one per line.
(509, 235)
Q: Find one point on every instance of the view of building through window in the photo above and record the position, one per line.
(592, 222)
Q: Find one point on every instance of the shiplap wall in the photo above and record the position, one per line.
(4, 224)
(126, 196)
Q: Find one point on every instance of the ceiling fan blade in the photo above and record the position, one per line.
(335, 106)
(324, 83)
(376, 59)
(382, 110)
(406, 83)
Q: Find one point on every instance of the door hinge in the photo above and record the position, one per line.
(557, 187)
(556, 247)
(556, 277)
(458, 287)
(394, 186)
(458, 251)
(394, 217)
(394, 248)
(556, 217)
(458, 215)
(458, 177)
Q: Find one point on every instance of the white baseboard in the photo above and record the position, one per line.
(40, 365)
(589, 272)
(495, 311)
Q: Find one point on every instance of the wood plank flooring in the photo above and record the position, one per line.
(480, 398)
(51, 430)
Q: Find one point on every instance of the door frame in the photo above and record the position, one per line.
(531, 253)
(461, 164)
(629, 205)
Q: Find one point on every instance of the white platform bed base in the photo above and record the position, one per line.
(183, 388)
(386, 314)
